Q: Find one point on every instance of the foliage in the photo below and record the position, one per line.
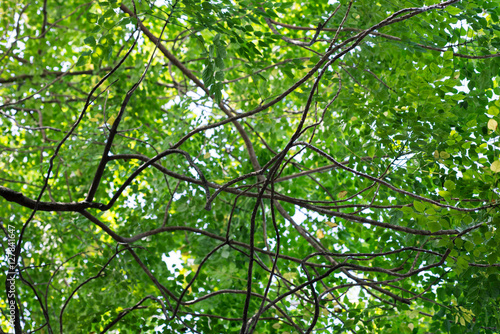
(324, 167)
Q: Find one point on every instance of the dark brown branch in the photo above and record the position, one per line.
(56, 73)
(17, 197)
(393, 38)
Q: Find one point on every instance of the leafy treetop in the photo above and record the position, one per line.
(324, 167)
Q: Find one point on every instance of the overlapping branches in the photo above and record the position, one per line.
(265, 186)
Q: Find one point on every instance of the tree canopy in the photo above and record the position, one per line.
(250, 167)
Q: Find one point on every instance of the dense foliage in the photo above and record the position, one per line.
(250, 167)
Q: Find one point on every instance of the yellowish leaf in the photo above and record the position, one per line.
(111, 120)
(320, 234)
(495, 166)
(462, 321)
(493, 111)
(492, 124)
(206, 156)
(444, 193)
(185, 256)
(332, 225)
(289, 276)
(412, 314)
(330, 298)
(411, 326)
(342, 194)
(444, 155)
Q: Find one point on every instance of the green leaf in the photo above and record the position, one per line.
(315, 59)
(493, 110)
(221, 51)
(208, 75)
(453, 10)
(219, 62)
(434, 226)
(469, 246)
(216, 39)
(90, 41)
(419, 206)
(219, 75)
(217, 91)
(450, 185)
(448, 55)
(108, 14)
(82, 60)
(444, 193)
(371, 151)
(478, 240)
